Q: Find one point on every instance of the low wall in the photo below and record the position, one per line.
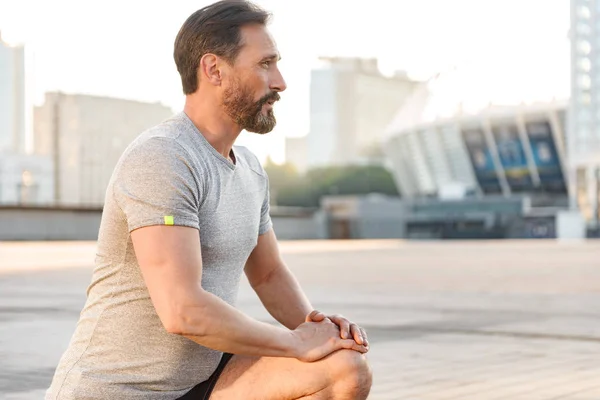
(33, 223)
(39, 223)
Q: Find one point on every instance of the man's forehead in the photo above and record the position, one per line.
(257, 39)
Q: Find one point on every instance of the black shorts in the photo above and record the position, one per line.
(203, 390)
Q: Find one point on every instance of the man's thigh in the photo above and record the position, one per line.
(266, 378)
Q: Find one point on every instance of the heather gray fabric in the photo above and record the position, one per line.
(169, 175)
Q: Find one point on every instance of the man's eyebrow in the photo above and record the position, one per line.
(272, 57)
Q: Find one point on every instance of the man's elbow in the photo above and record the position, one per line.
(185, 319)
(174, 323)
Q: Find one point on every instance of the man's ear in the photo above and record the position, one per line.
(209, 70)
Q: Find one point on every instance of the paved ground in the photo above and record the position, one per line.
(453, 320)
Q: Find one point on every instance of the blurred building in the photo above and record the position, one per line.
(583, 141)
(296, 152)
(25, 179)
(85, 136)
(12, 97)
(485, 169)
(351, 103)
(489, 217)
(501, 150)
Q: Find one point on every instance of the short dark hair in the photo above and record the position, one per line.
(213, 29)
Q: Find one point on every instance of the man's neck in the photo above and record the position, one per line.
(213, 123)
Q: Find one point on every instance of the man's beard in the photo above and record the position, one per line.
(240, 106)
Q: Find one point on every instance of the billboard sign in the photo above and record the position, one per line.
(481, 160)
(512, 157)
(545, 155)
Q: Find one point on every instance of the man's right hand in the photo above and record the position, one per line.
(316, 340)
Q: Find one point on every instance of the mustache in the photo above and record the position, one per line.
(271, 96)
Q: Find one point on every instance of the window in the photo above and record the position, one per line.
(584, 47)
(584, 81)
(585, 98)
(583, 12)
(27, 178)
(584, 28)
(585, 64)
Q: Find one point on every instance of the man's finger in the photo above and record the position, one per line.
(315, 316)
(364, 336)
(350, 344)
(357, 334)
(344, 325)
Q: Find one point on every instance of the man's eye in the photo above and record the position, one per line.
(266, 64)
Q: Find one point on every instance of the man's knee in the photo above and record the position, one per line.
(351, 372)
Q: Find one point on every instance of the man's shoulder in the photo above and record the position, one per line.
(163, 138)
(169, 129)
(157, 148)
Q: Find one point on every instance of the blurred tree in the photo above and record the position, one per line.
(280, 175)
(288, 188)
(282, 178)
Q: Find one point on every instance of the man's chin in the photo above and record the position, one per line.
(260, 131)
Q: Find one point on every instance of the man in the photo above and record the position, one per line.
(186, 213)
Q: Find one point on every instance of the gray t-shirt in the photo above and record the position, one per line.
(170, 175)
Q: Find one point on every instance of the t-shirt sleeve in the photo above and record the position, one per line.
(154, 184)
(265, 216)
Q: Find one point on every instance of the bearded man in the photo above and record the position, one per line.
(186, 214)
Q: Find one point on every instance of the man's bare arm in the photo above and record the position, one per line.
(275, 285)
(171, 263)
(281, 294)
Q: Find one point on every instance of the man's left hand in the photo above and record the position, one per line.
(347, 328)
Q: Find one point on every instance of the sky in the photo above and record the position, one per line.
(509, 50)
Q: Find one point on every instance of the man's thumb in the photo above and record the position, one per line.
(315, 316)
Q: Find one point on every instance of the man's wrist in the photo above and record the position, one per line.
(291, 344)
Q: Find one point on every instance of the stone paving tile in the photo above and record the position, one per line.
(578, 394)
(551, 384)
(497, 375)
(27, 395)
(582, 390)
(463, 320)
